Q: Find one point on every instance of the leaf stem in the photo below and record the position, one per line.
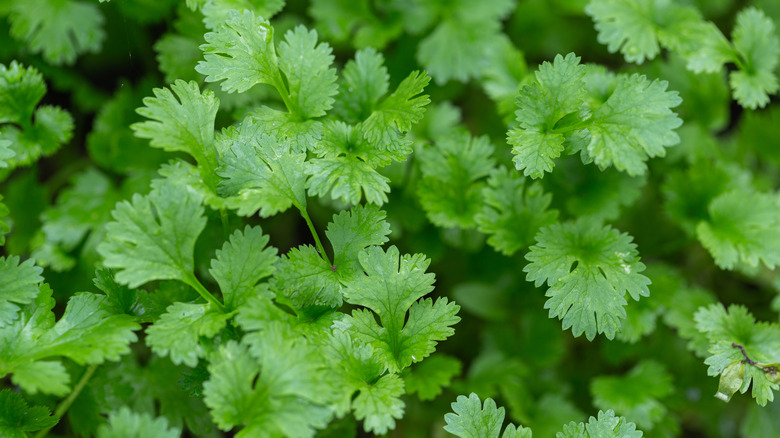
(193, 281)
(282, 89)
(65, 404)
(320, 248)
(225, 224)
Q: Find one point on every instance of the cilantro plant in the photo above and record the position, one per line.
(411, 218)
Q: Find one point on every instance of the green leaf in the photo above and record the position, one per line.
(346, 166)
(20, 91)
(606, 426)
(637, 394)
(216, 12)
(16, 417)
(28, 133)
(272, 384)
(182, 120)
(307, 280)
(58, 30)
(89, 332)
(241, 53)
(399, 111)
(153, 236)
(242, 262)
(513, 211)
(758, 46)
(734, 331)
(558, 91)
(353, 230)
(473, 419)
(364, 82)
(81, 208)
(456, 48)
(633, 124)
(391, 287)
(379, 404)
(177, 332)
(378, 400)
(637, 28)
(311, 80)
(6, 153)
(261, 172)
(20, 286)
(588, 269)
(128, 424)
(432, 375)
(742, 228)
(453, 169)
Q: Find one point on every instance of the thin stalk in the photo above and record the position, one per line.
(198, 286)
(225, 224)
(320, 248)
(65, 404)
(282, 89)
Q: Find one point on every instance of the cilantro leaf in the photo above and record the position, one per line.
(513, 212)
(128, 424)
(311, 80)
(616, 121)
(379, 405)
(16, 417)
(177, 332)
(473, 419)
(638, 27)
(80, 209)
(758, 46)
(398, 111)
(378, 401)
(261, 172)
(306, 278)
(451, 188)
(742, 227)
(58, 30)
(242, 262)
(391, 287)
(182, 119)
(432, 375)
(364, 81)
(272, 384)
(736, 338)
(20, 286)
(636, 394)
(216, 12)
(558, 91)
(241, 53)
(26, 131)
(606, 426)
(88, 333)
(346, 166)
(455, 49)
(634, 123)
(22, 89)
(353, 230)
(153, 237)
(588, 269)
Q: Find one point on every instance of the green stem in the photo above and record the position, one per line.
(65, 404)
(576, 127)
(320, 248)
(282, 89)
(198, 286)
(225, 224)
